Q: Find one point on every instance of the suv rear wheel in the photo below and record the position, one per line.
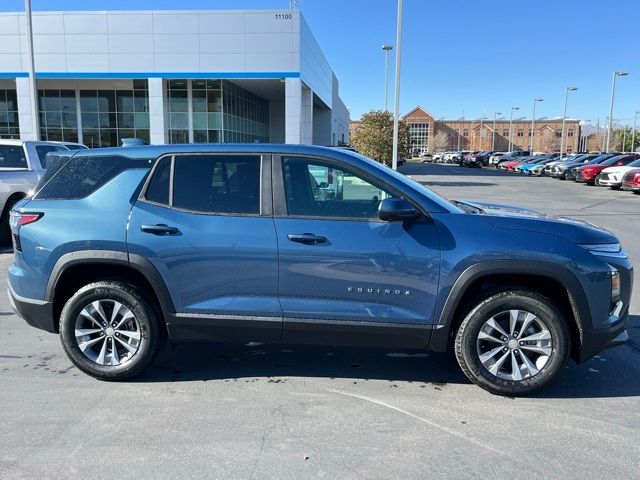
(513, 343)
(109, 330)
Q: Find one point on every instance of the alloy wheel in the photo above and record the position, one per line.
(514, 345)
(107, 332)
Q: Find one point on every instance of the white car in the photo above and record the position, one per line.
(22, 163)
(612, 176)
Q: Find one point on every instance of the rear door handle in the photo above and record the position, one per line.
(306, 238)
(160, 229)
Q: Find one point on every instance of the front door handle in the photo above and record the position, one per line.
(306, 238)
(160, 229)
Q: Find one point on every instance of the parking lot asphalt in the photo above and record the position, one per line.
(279, 411)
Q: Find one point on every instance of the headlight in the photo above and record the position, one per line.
(603, 248)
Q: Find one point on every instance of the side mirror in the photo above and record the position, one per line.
(397, 210)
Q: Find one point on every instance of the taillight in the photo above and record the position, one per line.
(19, 219)
(636, 179)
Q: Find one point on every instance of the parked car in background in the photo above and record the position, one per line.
(588, 173)
(456, 157)
(560, 170)
(631, 181)
(513, 155)
(466, 157)
(479, 159)
(438, 157)
(495, 158)
(546, 172)
(22, 163)
(538, 169)
(537, 160)
(612, 176)
(573, 170)
(95, 252)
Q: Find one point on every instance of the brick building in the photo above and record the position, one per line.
(479, 134)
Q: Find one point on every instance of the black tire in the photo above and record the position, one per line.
(616, 187)
(466, 349)
(149, 328)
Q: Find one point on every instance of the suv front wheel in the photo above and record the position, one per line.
(109, 330)
(513, 343)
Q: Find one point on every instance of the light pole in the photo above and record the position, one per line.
(493, 135)
(613, 94)
(387, 48)
(513, 109)
(564, 117)
(396, 91)
(633, 137)
(533, 121)
(461, 119)
(480, 131)
(33, 91)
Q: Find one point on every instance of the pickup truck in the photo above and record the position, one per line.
(22, 163)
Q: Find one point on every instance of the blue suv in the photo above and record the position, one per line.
(121, 250)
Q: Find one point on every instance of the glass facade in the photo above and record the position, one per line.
(419, 134)
(9, 127)
(58, 115)
(108, 116)
(216, 111)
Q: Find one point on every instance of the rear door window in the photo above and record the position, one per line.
(158, 188)
(12, 157)
(217, 183)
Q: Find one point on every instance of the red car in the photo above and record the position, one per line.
(589, 173)
(510, 166)
(631, 181)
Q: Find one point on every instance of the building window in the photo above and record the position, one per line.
(505, 133)
(220, 112)
(570, 132)
(521, 133)
(178, 111)
(108, 116)
(206, 103)
(465, 133)
(245, 115)
(530, 132)
(58, 115)
(558, 133)
(419, 134)
(9, 127)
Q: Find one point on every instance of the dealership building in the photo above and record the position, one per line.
(169, 77)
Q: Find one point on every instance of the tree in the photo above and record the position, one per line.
(594, 143)
(549, 142)
(439, 143)
(374, 137)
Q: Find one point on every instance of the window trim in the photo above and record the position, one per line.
(264, 203)
(280, 209)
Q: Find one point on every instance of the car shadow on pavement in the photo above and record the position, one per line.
(606, 375)
(214, 361)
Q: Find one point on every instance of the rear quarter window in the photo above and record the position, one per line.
(81, 176)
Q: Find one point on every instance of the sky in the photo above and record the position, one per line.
(461, 57)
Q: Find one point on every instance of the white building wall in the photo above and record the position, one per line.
(231, 42)
(113, 45)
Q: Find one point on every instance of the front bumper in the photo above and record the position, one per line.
(610, 182)
(37, 313)
(631, 187)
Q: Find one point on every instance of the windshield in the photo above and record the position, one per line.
(635, 163)
(430, 194)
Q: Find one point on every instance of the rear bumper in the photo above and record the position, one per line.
(37, 313)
